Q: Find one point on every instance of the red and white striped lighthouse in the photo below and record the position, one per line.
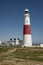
(27, 40)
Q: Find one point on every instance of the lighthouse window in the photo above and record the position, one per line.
(26, 12)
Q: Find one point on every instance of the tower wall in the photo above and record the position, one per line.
(27, 30)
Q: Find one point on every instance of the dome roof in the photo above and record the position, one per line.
(26, 10)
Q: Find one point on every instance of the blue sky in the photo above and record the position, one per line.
(12, 19)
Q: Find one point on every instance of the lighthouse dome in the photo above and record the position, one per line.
(26, 10)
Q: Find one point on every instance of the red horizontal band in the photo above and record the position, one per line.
(26, 29)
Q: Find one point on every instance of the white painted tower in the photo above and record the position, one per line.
(27, 40)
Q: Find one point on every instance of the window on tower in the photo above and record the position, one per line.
(26, 12)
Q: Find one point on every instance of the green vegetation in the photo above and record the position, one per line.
(34, 54)
(5, 49)
(29, 53)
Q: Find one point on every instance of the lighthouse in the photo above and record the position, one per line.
(27, 40)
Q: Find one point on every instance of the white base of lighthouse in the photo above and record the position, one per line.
(27, 40)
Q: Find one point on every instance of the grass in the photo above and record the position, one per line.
(5, 49)
(23, 53)
(28, 54)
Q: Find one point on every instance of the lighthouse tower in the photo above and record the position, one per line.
(27, 40)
